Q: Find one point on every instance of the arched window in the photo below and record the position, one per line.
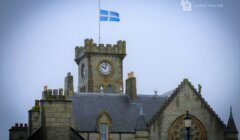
(83, 71)
(84, 89)
(177, 130)
(109, 89)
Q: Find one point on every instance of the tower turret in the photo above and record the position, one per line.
(231, 131)
(100, 66)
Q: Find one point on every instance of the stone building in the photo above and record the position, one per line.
(102, 110)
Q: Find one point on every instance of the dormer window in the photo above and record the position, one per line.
(104, 131)
(104, 122)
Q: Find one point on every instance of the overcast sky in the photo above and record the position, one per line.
(164, 45)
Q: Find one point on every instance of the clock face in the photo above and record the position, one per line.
(105, 68)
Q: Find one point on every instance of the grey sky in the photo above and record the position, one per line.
(164, 45)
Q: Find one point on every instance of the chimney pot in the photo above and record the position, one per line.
(131, 74)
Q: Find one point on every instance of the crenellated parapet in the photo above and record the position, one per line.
(19, 127)
(18, 132)
(53, 94)
(91, 47)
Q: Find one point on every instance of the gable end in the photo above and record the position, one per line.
(174, 94)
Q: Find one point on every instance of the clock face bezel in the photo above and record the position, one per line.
(105, 68)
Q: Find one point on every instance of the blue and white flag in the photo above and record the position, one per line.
(109, 16)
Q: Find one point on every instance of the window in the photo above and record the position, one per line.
(104, 131)
(83, 71)
(178, 131)
(104, 122)
(109, 89)
(83, 89)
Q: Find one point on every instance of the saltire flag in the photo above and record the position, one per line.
(109, 16)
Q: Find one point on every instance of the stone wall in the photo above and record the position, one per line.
(33, 121)
(94, 78)
(55, 116)
(142, 135)
(34, 118)
(83, 81)
(186, 99)
(18, 132)
(56, 119)
(114, 78)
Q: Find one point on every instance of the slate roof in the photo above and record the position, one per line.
(123, 112)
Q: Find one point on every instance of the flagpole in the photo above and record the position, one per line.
(99, 23)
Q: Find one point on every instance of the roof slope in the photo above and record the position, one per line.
(124, 113)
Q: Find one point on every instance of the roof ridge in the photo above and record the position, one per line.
(115, 94)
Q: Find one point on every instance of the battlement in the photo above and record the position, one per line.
(53, 94)
(19, 127)
(91, 47)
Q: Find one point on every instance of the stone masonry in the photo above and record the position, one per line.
(186, 99)
(63, 114)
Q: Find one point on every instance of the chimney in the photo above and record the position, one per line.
(37, 102)
(131, 86)
(45, 88)
(69, 85)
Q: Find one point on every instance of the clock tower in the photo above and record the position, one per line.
(100, 66)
